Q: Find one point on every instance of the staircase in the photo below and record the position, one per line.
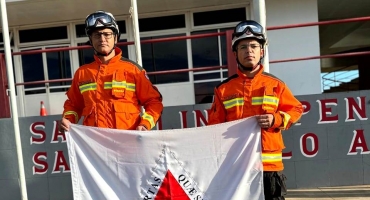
(341, 80)
(353, 85)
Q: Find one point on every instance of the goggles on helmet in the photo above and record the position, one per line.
(252, 26)
(103, 18)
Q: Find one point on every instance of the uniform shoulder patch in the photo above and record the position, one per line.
(228, 79)
(132, 62)
(272, 76)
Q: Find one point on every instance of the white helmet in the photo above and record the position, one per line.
(248, 29)
(101, 19)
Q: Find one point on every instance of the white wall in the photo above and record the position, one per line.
(177, 94)
(302, 77)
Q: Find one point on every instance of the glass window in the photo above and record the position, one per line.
(225, 74)
(59, 67)
(162, 23)
(80, 28)
(162, 56)
(205, 51)
(33, 71)
(204, 92)
(43, 34)
(86, 56)
(209, 75)
(213, 17)
(2, 40)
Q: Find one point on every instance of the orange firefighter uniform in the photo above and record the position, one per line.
(239, 97)
(111, 95)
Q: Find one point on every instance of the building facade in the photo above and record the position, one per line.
(162, 19)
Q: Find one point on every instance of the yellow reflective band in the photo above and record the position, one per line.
(130, 86)
(267, 157)
(286, 119)
(233, 102)
(107, 85)
(71, 113)
(257, 100)
(122, 84)
(270, 100)
(150, 119)
(87, 87)
(265, 100)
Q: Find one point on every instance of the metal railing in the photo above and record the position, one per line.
(230, 65)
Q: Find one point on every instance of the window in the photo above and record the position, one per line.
(205, 51)
(162, 23)
(2, 40)
(86, 56)
(213, 17)
(204, 92)
(43, 34)
(80, 29)
(33, 71)
(162, 56)
(58, 66)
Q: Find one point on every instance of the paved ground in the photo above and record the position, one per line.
(328, 193)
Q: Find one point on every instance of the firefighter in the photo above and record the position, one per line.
(110, 91)
(253, 92)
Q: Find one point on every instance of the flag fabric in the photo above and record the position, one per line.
(218, 162)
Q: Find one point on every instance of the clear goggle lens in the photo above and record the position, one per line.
(101, 17)
(254, 28)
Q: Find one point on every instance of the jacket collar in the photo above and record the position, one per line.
(117, 57)
(243, 76)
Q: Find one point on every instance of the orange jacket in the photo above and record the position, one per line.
(110, 95)
(239, 97)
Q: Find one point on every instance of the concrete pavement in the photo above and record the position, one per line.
(360, 192)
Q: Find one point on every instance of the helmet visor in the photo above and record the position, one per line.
(103, 18)
(253, 27)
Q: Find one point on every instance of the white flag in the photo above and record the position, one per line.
(219, 162)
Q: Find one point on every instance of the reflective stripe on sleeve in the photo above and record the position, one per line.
(272, 157)
(87, 87)
(285, 119)
(72, 113)
(233, 102)
(150, 119)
